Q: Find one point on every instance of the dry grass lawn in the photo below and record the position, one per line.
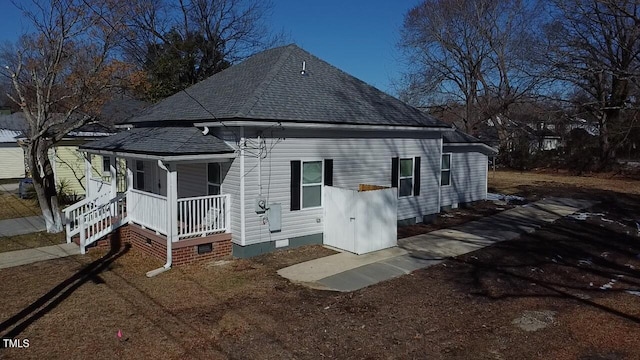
(11, 207)
(30, 241)
(512, 182)
(568, 291)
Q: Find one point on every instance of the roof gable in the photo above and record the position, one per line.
(270, 86)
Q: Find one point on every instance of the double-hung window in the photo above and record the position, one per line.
(139, 179)
(106, 166)
(445, 170)
(214, 178)
(406, 177)
(311, 184)
(307, 179)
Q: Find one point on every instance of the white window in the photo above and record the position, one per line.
(214, 178)
(139, 179)
(406, 177)
(311, 184)
(445, 168)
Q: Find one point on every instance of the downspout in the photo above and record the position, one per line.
(440, 176)
(242, 204)
(170, 234)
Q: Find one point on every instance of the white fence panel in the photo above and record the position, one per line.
(360, 221)
(339, 218)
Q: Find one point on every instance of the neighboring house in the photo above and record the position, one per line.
(68, 163)
(12, 160)
(243, 161)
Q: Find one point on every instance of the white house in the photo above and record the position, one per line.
(243, 162)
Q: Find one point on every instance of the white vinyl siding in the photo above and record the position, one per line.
(355, 161)
(468, 179)
(192, 180)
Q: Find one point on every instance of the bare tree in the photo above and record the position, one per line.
(61, 75)
(483, 55)
(181, 42)
(595, 49)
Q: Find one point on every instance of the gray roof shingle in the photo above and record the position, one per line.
(458, 136)
(161, 141)
(270, 86)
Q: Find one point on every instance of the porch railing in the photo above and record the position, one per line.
(101, 220)
(148, 210)
(73, 213)
(203, 215)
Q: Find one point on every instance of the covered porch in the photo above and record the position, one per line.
(177, 197)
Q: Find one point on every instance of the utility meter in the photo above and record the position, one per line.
(261, 205)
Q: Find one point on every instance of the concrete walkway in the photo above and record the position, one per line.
(349, 272)
(29, 256)
(20, 226)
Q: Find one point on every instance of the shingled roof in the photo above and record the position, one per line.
(161, 141)
(270, 86)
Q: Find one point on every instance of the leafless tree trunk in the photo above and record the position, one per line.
(482, 54)
(61, 76)
(595, 48)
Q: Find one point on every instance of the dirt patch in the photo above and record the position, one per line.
(534, 320)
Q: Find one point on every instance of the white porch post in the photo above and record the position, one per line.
(172, 214)
(113, 174)
(227, 213)
(172, 202)
(130, 163)
(87, 175)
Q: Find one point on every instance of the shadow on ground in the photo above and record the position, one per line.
(16, 324)
(579, 260)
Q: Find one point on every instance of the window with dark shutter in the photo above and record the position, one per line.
(416, 176)
(394, 172)
(328, 172)
(295, 185)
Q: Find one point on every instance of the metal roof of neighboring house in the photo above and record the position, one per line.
(271, 85)
(161, 141)
(9, 136)
(17, 122)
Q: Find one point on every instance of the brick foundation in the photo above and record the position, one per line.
(183, 252)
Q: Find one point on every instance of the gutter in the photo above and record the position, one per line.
(293, 125)
(132, 155)
(492, 150)
(167, 265)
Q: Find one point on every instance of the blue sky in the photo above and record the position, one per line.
(357, 36)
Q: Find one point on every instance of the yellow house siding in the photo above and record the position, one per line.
(69, 165)
(11, 162)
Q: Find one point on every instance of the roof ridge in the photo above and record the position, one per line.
(268, 79)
